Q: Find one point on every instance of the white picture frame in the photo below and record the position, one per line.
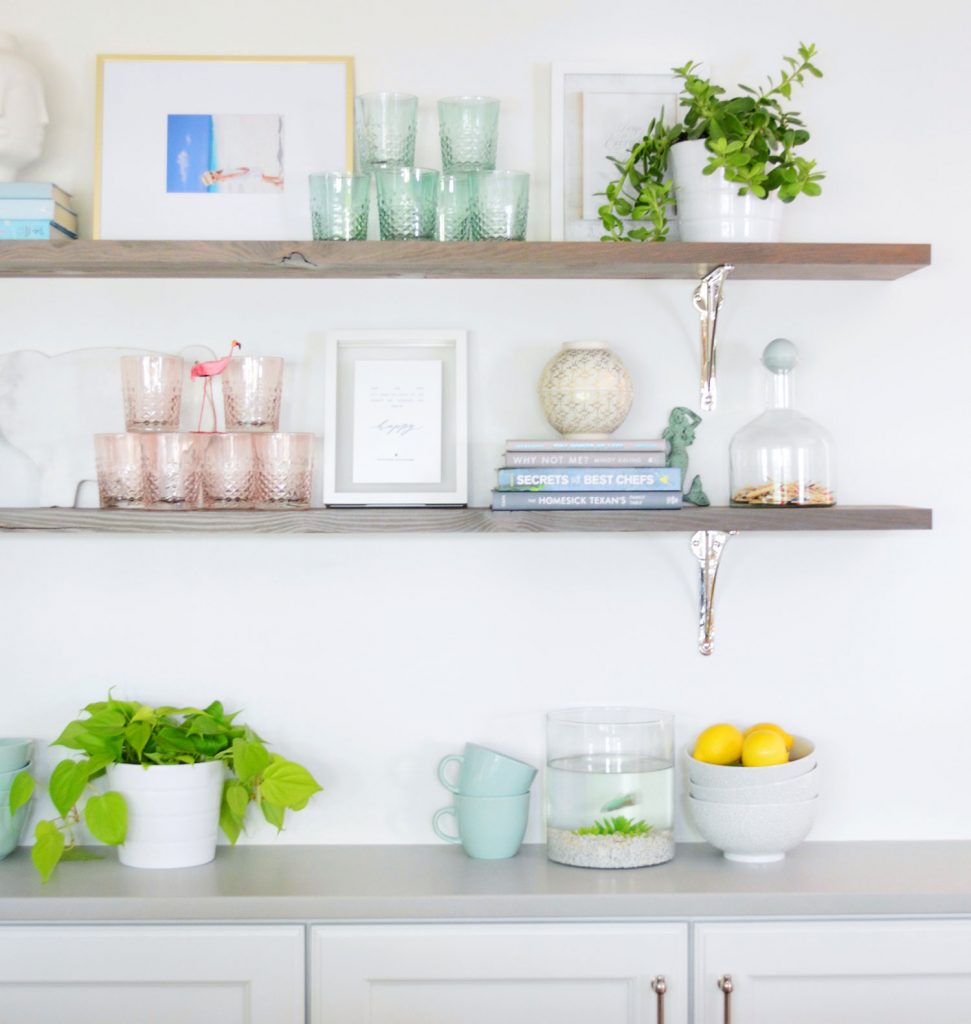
(423, 376)
(626, 100)
(207, 148)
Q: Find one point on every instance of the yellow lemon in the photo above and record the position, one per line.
(772, 727)
(763, 747)
(719, 744)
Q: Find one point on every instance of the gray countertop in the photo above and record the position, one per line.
(350, 883)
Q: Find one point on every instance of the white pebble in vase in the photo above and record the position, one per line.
(586, 391)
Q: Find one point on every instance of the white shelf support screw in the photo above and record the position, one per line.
(707, 546)
(708, 298)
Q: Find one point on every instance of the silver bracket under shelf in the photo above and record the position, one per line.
(708, 298)
(707, 546)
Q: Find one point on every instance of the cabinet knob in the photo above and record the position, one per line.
(660, 986)
(727, 986)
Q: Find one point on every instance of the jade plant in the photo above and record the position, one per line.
(130, 732)
(752, 138)
(619, 826)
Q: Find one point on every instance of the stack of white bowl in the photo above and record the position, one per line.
(755, 814)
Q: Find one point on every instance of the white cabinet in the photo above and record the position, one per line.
(151, 974)
(879, 972)
(484, 973)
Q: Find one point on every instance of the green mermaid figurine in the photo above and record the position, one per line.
(680, 434)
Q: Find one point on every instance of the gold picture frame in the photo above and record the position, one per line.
(158, 113)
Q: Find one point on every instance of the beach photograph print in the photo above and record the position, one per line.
(225, 153)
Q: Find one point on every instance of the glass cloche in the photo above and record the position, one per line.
(782, 458)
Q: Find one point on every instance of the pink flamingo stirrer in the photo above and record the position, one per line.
(208, 370)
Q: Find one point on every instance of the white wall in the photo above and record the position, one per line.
(370, 657)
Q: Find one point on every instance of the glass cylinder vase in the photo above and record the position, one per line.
(610, 787)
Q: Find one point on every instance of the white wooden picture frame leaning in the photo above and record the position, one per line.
(596, 111)
(396, 431)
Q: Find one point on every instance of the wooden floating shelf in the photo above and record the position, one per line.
(468, 520)
(463, 260)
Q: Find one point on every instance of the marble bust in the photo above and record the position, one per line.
(23, 112)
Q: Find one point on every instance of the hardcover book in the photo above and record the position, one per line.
(520, 501)
(580, 479)
(38, 209)
(32, 230)
(34, 190)
(637, 460)
(607, 445)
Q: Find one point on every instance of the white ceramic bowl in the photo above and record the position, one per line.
(802, 759)
(802, 787)
(755, 833)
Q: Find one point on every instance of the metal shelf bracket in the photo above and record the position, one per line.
(708, 298)
(707, 546)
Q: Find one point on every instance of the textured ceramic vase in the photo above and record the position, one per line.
(586, 390)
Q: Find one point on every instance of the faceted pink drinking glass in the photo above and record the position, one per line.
(118, 458)
(228, 471)
(172, 466)
(151, 388)
(284, 470)
(252, 387)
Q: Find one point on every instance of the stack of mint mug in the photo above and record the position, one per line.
(491, 805)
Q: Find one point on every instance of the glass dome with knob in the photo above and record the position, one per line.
(782, 458)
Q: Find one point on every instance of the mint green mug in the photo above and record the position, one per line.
(489, 827)
(486, 772)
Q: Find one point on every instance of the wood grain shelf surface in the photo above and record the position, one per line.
(467, 260)
(467, 520)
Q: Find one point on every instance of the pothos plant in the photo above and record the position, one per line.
(752, 138)
(129, 732)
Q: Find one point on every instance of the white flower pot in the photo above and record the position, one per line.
(173, 813)
(710, 208)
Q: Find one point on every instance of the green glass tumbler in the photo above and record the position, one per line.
(386, 129)
(468, 128)
(452, 209)
(406, 202)
(339, 206)
(498, 205)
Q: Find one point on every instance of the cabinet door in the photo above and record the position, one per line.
(867, 972)
(484, 973)
(193, 974)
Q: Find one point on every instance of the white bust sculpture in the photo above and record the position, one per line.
(23, 112)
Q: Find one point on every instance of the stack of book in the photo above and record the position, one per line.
(34, 210)
(609, 474)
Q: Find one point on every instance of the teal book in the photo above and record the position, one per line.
(610, 444)
(34, 190)
(603, 501)
(38, 209)
(590, 479)
(32, 230)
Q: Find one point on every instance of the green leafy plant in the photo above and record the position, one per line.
(752, 138)
(129, 732)
(619, 826)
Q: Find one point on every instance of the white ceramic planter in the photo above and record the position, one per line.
(173, 813)
(710, 208)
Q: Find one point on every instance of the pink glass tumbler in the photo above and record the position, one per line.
(228, 471)
(118, 458)
(151, 389)
(284, 469)
(172, 466)
(252, 387)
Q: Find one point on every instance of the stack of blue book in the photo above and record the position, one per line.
(34, 210)
(602, 475)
